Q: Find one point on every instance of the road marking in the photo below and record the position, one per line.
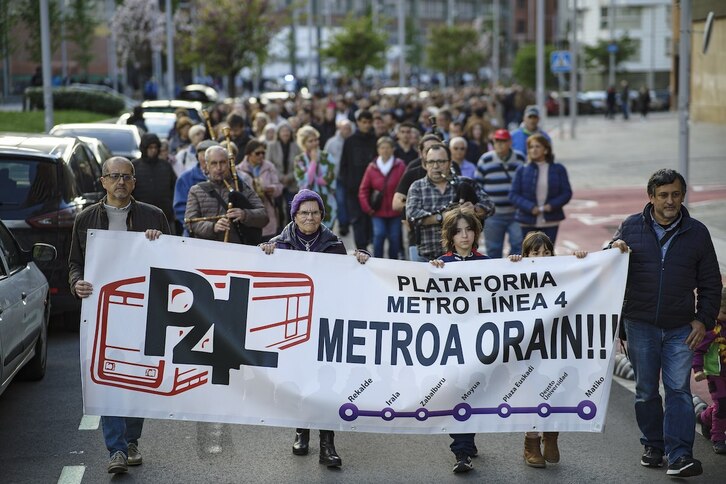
(570, 245)
(71, 475)
(89, 422)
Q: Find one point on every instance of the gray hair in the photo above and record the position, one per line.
(214, 149)
(116, 159)
(457, 139)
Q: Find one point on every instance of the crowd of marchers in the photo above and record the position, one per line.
(428, 178)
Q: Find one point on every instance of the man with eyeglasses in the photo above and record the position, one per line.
(430, 197)
(208, 209)
(116, 211)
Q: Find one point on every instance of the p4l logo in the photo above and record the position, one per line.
(192, 323)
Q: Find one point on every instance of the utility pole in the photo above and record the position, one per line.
(64, 44)
(401, 43)
(169, 52)
(112, 60)
(651, 72)
(684, 88)
(573, 72)
(45, 55)
(540, 57)
(611, 55)
(495, 43)
(310, 43)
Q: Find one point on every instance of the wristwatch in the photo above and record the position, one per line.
(439, 217)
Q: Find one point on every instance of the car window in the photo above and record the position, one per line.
(68, 185)
(25, 183)
(81, 163)
(10, 250)
(116, 140)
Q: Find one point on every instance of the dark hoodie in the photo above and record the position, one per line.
(155, 179)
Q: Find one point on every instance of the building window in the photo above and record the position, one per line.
(626, 18)
(638, 51)
(668, 47)
(521, 26)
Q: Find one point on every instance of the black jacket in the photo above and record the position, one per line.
(661, 292)
(142, 217)
(155, 179)
(359, 149)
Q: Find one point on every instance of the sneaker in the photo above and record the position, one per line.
(685, 466)
(719, 447)
(652, 457)
(463, 463)
(118, 463)
(705, 426)
(134, 455)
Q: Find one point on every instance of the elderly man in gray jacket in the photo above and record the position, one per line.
(216, 210)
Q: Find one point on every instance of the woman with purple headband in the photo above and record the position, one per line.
(307, 232)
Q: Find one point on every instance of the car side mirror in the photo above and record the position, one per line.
(44, 252)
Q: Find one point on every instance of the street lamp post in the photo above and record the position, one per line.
(611, 51)
(684, 88)
(540, 57)
(45, 55)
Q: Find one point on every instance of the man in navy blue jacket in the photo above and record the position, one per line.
(671, 256)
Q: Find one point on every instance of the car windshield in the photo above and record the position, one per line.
(118, 141)
(25, 183)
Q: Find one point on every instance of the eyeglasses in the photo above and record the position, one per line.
(115, 177)
(437, 162)
(258, 153)
(313, 214)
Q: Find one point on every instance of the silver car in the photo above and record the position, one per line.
(24, 310)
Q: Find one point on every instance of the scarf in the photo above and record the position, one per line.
(384, 166)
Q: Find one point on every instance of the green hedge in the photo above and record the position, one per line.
(73, 98)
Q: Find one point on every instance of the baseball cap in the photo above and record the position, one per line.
(502, 134)
(531, 110)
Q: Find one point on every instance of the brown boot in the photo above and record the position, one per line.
(551, 451)
(532, 453)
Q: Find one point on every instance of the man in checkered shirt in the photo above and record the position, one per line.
(429, 197)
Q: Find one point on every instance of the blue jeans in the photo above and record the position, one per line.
(652, 350)
(386, 228)
(463, 444)
(495, 228)
(343, 220)
(119, 432)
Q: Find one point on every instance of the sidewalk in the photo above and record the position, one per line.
(612, 154)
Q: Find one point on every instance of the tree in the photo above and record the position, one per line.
(524, 68)
(28, 12)
(138, 25)
(80, 27)
(357, 46)
(454, 50)
(227, 35)
(598, 56)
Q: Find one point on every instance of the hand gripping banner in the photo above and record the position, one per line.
(197, 330)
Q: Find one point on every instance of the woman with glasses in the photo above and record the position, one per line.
(314, 171)
(306, 232)
(264, 180)
(540, 189)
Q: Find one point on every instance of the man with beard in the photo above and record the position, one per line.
(243, 222)
(432, 196)
(155, 178)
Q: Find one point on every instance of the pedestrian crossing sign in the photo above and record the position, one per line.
(560, 61)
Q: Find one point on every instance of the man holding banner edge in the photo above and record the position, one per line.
(671, 256)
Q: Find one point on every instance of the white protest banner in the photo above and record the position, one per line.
(197, 330)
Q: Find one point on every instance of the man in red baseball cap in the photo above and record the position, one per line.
(495, 172)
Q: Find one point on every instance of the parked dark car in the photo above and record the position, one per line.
(45, 181)
(24, 310)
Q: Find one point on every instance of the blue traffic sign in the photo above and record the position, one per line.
(612, 48)
(561, 61)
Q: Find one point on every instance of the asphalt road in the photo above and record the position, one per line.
(609, 164)
(40, 436)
